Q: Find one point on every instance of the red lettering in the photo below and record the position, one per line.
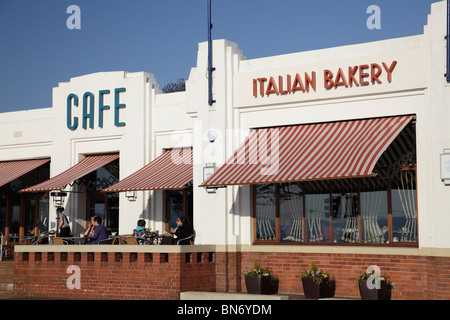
(289, 83)
(363, 75)
(328, 79)
(310, 81)
(298, 84)
(261, 85)
(280, 85)
(255, 89)
(389, 70)
(340, 79)
(374, 75)
(351, 75)
(271, 87)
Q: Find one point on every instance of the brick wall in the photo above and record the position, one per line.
(415, 277)
(154, 275)
(111, 275)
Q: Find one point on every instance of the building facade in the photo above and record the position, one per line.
(333, 151)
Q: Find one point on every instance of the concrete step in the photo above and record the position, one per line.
(6, 279)
(196, 295)
(6, 294)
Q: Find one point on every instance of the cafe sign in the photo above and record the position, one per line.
(90, 110)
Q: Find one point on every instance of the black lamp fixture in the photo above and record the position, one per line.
(58, 198)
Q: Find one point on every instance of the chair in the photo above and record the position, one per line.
(130, 239)
(59, 241)
(44, 237)
(144, 241)
(179, 240)
(107, 241)
(125, 240)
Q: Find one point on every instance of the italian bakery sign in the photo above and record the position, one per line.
(335, 79)
(349, 76)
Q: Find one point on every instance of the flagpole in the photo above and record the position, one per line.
(210, 67)
(447, 37)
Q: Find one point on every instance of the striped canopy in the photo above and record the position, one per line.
(11, 170)
(309, 152)
(172, 170)
(82, 168)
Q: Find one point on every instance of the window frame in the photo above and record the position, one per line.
(278, 241)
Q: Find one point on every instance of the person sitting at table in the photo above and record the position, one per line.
(142, 233)
(90, 230)
(182, 231)
(100, 231)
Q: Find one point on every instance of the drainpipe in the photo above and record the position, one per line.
(447, 75)
(210, 67)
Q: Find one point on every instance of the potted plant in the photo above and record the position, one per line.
(261, 281)
(373, 287)
(318, 284)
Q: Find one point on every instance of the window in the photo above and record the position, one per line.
(338, 211)
(378, 210)
(104, 205)
(178, 203)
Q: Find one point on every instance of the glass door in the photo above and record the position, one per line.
(14, 216)
(105, 206)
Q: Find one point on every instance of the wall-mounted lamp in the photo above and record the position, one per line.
(58, 198)
(131, 195)
(445, 166)
(208, 171)
(211, 134)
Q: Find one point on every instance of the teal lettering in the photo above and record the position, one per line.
(70, 125)
(101, 107)
(118, 106)
(88, 115)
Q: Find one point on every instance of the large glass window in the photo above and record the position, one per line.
(374, 210)
(360, 210)
(179, 203)
(404, 206)
(291, 212)
(43, 214)
(30, 216)
(265, 212)
(317, 212)
(14, 216)
(345, 210)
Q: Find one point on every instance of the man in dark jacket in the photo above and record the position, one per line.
(100, 231)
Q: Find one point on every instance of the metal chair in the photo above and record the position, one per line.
(187, 238)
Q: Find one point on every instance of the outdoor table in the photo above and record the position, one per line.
(76, 240)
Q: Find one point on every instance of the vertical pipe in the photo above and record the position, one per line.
(448, 41)
(210, 67)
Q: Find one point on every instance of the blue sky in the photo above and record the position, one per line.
(37, 50)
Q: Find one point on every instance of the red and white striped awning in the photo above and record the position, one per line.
(11, 170)
(82, 168)
(172, 170)
(309, 152)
